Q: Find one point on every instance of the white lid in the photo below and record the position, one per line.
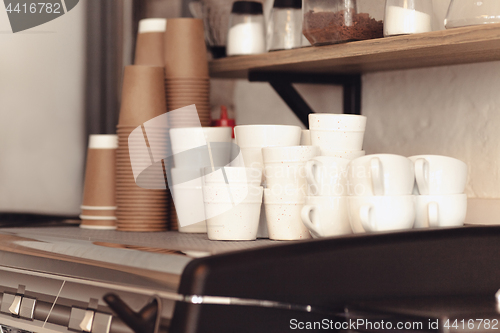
(103, 141)
(152, 25)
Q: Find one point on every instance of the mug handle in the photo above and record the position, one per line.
(433, 214)
(364, 215)
(312, 174)
(306, 219)
(422, 176)
(377, 173)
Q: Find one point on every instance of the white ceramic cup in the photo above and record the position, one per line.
(334, 132)
(435, 174)
(186, 188)
(440, 210)
(232, 176)
(327, 176)
(348, 154)
(284, 166)
(326, 216)
(380, 174)
(259, 136)
(191, 137)
(381, 213)
(283, 215)
(232, 212)
(305, 138)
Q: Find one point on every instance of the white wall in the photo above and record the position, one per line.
(453, 111)
(41, 115)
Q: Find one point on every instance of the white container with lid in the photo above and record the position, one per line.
(246, 29)
(404, 17)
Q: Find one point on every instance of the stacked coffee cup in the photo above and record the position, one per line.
(186, 71)
(286, 188)
(233, 199)
(440, 183)
(149, 48)
(340, 139)
(143, 98)
(195, 148)
(99, 205)
(380, 188)
(251, 139)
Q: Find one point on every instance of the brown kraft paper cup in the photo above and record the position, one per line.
(95, 224)
(149, 49)
(99, 188)
(143, 95)
(185, 50)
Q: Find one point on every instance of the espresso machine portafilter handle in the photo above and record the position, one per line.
(147, 320)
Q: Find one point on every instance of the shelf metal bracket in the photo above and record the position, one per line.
(282, 83)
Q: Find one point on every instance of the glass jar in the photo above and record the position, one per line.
(336, 21)
(403, 17)
(246, 33)
(472, 12)
(285, 25)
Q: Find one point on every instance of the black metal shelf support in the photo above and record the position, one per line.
(282, 83)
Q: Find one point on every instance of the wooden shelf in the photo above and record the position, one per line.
(438, 48)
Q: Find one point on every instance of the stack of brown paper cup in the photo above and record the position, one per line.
(98, 205)
(143, 98)
(149, 48)
(186, 71)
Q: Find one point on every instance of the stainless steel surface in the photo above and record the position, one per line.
(27, 308)
(102, 323)
(7, 301)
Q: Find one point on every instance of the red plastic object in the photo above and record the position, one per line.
(224, 121)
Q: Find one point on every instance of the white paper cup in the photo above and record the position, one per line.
(258, 136)
(380, 174)
(440, 210)
(283, 216)
(381, 213)
(327, 176)
(232, 212)
(233, 176)
(326, 216)
(438, 175)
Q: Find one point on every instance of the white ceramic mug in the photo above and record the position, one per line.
(380, 174)
(381, 213)
(347, 154)
(440, 210)
(232, 212)
(284, 166)
(327, 176)
(435, 174)
(232, 176)
(283, 215)
(334, 132)
(326, 216)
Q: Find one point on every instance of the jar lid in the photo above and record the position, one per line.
(247, 7)
(297, 4)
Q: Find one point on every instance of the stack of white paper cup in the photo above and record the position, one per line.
(286, 185)
(233, 197)
(325, 212)
(440, 183)
(195, 148)
(380, 188)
